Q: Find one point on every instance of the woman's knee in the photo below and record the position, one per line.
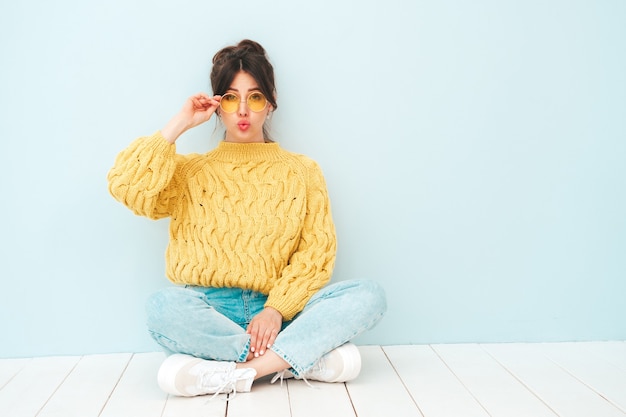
(373, 295)
(370, 295)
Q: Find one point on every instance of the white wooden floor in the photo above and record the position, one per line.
(508, 380)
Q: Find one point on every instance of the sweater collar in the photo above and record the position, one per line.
(237, 152)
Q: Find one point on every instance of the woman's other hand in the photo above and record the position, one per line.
(263, 330)
(197, 109)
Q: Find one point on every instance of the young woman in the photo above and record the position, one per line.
(252, 245)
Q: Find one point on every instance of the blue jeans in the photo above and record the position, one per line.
(211, 323)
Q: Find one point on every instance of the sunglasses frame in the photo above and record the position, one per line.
(247, 102)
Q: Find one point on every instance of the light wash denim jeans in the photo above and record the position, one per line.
(210, 323)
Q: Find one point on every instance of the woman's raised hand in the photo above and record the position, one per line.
(197, 109)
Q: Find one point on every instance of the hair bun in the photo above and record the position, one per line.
(251, 46)
(239, 51)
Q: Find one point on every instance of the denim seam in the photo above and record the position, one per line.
(244, 355)
(245, 295)
(298, 370)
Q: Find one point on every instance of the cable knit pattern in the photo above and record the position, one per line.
(252, 216)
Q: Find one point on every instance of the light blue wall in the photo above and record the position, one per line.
(474, 150)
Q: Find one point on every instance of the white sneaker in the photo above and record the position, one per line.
(188, 376)
(339, 365)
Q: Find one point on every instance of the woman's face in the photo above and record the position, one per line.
(244, 125)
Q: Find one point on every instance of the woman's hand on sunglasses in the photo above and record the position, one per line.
(197, 109)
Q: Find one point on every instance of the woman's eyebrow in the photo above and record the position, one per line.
(236, 90)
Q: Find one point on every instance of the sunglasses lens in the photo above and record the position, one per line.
(229, 103)
(257, 102)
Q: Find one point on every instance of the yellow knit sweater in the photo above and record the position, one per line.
(252, 216)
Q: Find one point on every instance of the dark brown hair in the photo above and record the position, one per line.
(247, 56)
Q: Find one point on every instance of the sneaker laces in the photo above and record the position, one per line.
(228, 385)
(278, 375)
(281, 375)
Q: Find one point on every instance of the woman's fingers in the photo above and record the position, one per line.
(266, 341)
(203, 102)
(269, 341)
(261, 339)
(263, 330)
(255, 339)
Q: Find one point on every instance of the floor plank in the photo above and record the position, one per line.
(11, 367)
(137, 393)
(378, 391)
(265, 400)
(495, 389)
(26, 393)
(87, 388)
(596, 372)
(613, 352)
(321, 399)
(203, 406)
(436, 390)
(564, 394)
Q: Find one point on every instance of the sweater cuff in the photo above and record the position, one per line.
(286, 305)
(161, 142)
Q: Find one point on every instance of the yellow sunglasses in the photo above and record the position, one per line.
(256, 102)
